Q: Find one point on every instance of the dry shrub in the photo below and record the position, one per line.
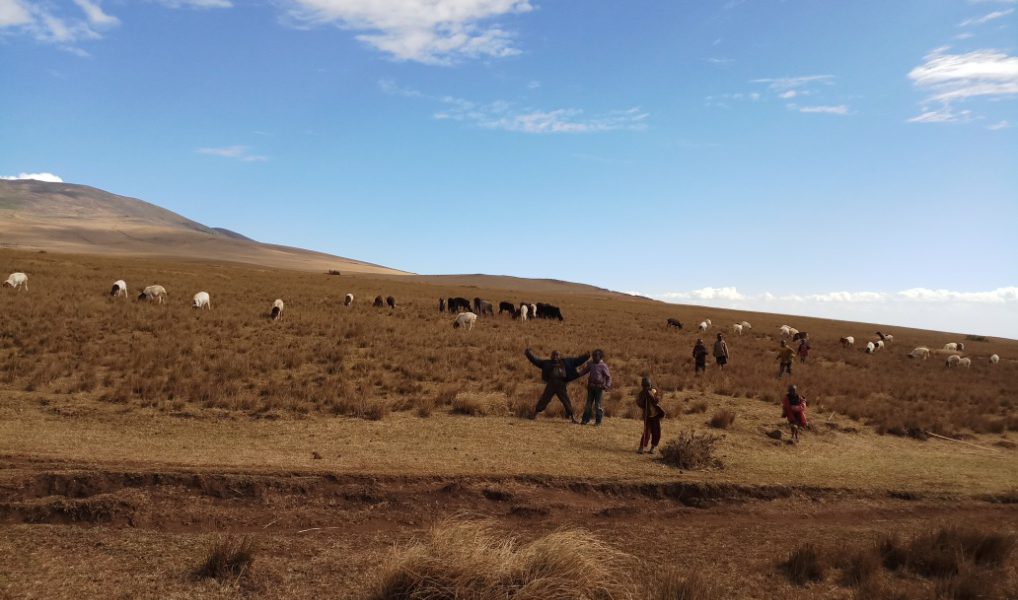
(672, 585)
(945, 552)
(227, 557)
(697, 407)
(872, 589)
(803, 565)
(859, 567)
(969, 584)
(479, 405)
(691, 450)
(722, 419)
(471, 561)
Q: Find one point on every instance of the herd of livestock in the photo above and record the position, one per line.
(467, 313)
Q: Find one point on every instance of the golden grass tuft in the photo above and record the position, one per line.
(804, 565)
(722, 419)
(227, 558)
(691, 450)
(670, 584)
(470, 561)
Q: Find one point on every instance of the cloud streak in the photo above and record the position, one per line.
(436, 32)
(993, 16)
(954, 78)
(50, 177)
(237, 152)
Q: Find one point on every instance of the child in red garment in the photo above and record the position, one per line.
(649, 402)
(794, 408)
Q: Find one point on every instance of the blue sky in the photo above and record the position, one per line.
(763, 154)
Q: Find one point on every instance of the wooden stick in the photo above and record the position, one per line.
(944, 437)
(270, 524)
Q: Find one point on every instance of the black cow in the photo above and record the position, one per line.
(379, 302)
(674, 323)
(548, 311)
(458, 304)
(477, 305)
(441, 305)
(391, 302)
(485, 308)
(508, 307)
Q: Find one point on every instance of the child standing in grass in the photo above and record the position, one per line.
(649, 402)
(700, 356)
(803, 351)
(794, 407)
(785, 356)
(599, 381)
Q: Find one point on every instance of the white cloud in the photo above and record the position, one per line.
(507, 116)
(950, 78)
(993, 16)
(238, 152)
(426, 31)
(998, 126)
(13, 13)
(95, 14)
(533, 85)
(840, 109)
(993, 312)
(780, 84)
(196, 3)
(50, 177)
(788, 95)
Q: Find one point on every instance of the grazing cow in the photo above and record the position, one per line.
(277, 309)
(847, 341)
(441, 305)
(379, 302)
(508, 307)
(119, 289)
(485, 308)
(391, 302)
(524, 311)
(465, 320)
(674, 323)
(201, 300)
(800, 335)
(533, 310)
(153, 293)
(477, 305)
(549, 311)
(348, 300)
(18, 281)
(457, 304)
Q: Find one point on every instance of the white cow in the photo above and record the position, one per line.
(524, 312)
(465, 320)
(202, 300)
(153, 293)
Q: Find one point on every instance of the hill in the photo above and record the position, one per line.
(71, 218)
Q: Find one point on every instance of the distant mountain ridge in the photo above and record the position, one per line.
(67, 217)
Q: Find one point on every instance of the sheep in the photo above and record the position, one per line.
(786, 331)
(153, 293)
(737, 328)
(885, 337)
(18, 281)
(348, 300)
(524, 311)
(880, 344)
(955, 347)
(920, 352)
(965, 362)
(390, 301)
(848, 341)
(746, 325)
(792, 331)
(703, 326)
(465, 320)
(994, 359)
(707, 321)
(277, 309)
(870, 347)
(201, 300)
(674, 323)
(952, 361)
(119, 289)
(379, 302)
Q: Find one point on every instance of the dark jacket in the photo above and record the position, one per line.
(645, 399)
(549, 373)
(700, 352)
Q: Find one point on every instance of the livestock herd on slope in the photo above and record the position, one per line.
(465, 318)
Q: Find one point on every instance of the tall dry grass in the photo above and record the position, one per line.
(67, 336)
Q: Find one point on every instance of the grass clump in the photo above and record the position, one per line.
(470, 561)
(673, 585)
(722, 419)
(803, 565)
(691, 451)
(227, 557)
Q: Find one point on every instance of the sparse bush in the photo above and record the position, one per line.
(227, 557)
(722, 419)
(697, 407)
(670, 584)
(470, 561)
(859, 566)
(691, 450)
(803, 565)
(479, 405)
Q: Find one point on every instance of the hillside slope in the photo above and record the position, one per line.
(70, 218)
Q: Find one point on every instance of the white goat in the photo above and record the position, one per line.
(786, 331)
(848, 341)
(952, 361)
(746, 325)
(153, 293)
(277, 308)
(348, 300)
(703, 326)
(119, 289)
(955, 347)
(465, 320)
(17, 281)
(920, 352)
(965, 362)
(994, 359)
(737, 328)
(870, 347)
(202, 300)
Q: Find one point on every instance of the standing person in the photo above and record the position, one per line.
(650, 403)
(721, 351)
(556, 372)
(794, 406)
(803, 350)
(785, 356)
(599, 381)
(700, 356)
